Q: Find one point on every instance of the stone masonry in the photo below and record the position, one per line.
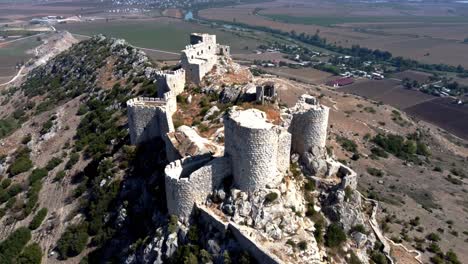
(200, 56)
(170, 81)
(189, 181)
(309, 126)
(258, 149)
(148, 118)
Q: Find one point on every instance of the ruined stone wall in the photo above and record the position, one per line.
(148, 118)
(170, 81)
(254, 248)
(223, 50)
(284, 151)
(199, 58)
(309, 126)
(191, 180)
(254, 151)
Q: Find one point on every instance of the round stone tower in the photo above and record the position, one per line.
(256, 149)
(309, 126)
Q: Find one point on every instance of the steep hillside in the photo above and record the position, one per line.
(74, 190)
(63, 147)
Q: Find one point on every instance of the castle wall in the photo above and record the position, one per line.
(191, 180)
(255, 249)
(253, 144)
(170, 81)
(309, 126)
(284, 151)
(199, 57)
(223, 50)
(148, 118)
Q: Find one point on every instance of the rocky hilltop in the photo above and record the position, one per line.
(107, 158)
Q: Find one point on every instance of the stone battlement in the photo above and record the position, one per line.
(170, 81)
(200, 56)
(146, 102)
(189, 181)
(168, 74)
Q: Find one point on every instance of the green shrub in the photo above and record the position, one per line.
(375, 172)
(73, 241)
(54, 162)
(302, 245)
(37, 175)
(38, 219)
(433, 237)
(335, 236)
(309, 185)
(451, 257)
(358, 228)
(5, 183)
(353, 259)
(318, 233)
(46, 126)
(434, 248)
(271, 197)
(74, 157)
(369, 109)
(347, 144)
(348, 193)
(379, 152)
(26, 139)
(378, 257)
(193, 233)
(11, 247)
(10, 203)
(21, 164)
(173, 224)
(59, 176)
(32, 254)
(14, 189)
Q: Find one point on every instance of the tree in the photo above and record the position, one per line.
(12, 246)
(31, 254)
(335, 236)
(73, 241)
(38, 219)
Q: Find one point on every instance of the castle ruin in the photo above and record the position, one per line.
(201, 56)
(170, 81)
(149, 118)
(257, 152)
(258, 149)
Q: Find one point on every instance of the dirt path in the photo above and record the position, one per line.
(15, 77)
(389, 245)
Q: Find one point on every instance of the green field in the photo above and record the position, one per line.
(334, 20)
(164, 35)
(15, 52)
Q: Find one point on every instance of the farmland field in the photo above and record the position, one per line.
(161, 33)
(333, 20)
(430, 33)
(14, 52)
(308, 75)
(439, 111)
(443, 113)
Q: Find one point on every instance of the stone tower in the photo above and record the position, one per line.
(309, 131)
(259, 150)
(149, 118)
(170, 81)
(190, 180)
